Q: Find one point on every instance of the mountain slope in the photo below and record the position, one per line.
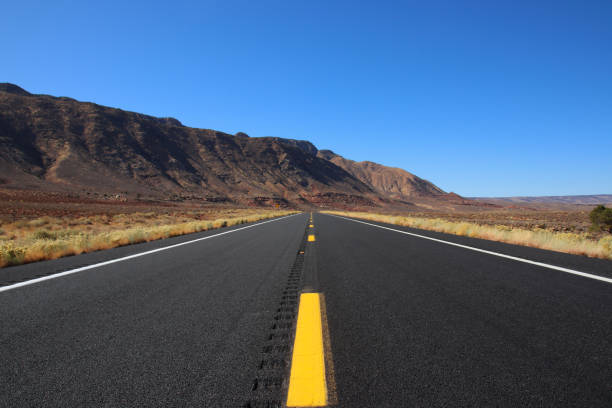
(388, 181)
(60, 144)
(50, 142)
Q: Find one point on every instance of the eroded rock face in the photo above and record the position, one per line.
(60, 143)
(389, 181)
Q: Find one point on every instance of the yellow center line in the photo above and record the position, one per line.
(307, 385)
(311, 226)
(311, 238)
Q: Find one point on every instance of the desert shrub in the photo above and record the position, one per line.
(86, 221)
(44, 234)
(135, 236)
(601, 217)
(10, 254)
(606, 243)
(101, 219)
(39, 222)
(68, 233)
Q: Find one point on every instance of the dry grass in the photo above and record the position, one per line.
(44, 238)
(568, 242)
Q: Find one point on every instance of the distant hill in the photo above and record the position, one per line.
(388, 181)
(570, 199)
(60, 144)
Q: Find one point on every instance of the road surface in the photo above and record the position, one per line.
(406, 321)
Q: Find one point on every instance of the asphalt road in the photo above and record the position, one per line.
(182, 327)
(411, 322)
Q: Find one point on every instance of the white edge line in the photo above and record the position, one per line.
(125, 258)
(514, 258)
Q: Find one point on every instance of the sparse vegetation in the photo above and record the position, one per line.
(601, 217)
(10, 255)
(568, 242)
(25, 241)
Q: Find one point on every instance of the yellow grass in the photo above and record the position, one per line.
(50, 238)
(571, 243)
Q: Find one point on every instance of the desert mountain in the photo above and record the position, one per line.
(60, 144)
(593, 199)
(387, 181)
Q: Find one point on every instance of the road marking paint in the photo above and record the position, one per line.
(311, 238)
(332, 394)
(307, 386)
(311, 226)
(484, 251)
(125, 258)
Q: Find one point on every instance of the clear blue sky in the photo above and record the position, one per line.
(484, 98)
